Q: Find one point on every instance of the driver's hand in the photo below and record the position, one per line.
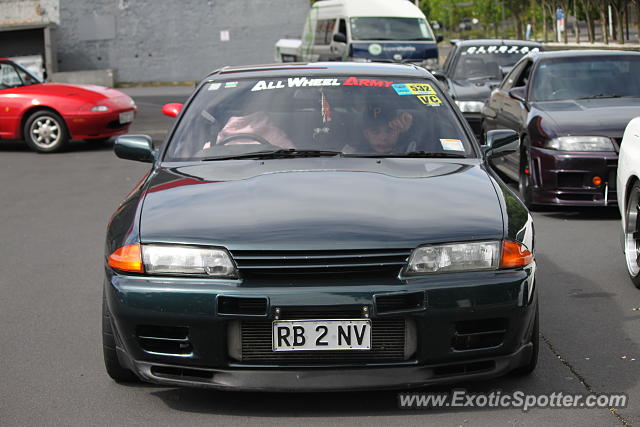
(401, 123)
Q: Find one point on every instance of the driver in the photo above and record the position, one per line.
(258, 124)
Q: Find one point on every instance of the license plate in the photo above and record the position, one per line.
(126, 117)
(319, 335)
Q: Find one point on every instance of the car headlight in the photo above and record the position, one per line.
(99, 108)
(174, 260)
(469, 256)
(581, 143)
(470, 106)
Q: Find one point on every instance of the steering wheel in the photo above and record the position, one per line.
(251, 136)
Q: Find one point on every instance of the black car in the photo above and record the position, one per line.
(324, 226)
(475, 67)
(570, 109)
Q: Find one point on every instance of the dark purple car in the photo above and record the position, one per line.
(570, 109)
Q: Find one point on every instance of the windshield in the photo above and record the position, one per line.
(379, 28)
(346, 116)
(12, 75)
(489, 62)
(587, 77)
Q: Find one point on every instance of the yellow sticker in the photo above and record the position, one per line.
(421, 89)
(431, 100)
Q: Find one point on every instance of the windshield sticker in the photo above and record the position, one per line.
(294, 82)
(430, 100)
(375, 49)
(231, 84)
(504, 49)
(414, 89)
(214, 86)
(353, 81)
(452, 144)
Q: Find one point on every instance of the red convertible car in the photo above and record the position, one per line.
(48, 115)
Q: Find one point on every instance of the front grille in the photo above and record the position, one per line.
(387, 340)
(166, 340)
(479, 334)
(400, 302)
(242, 306)
(571, 180)
(339, 262)
(115, 124)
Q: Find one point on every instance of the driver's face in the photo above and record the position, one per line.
(382, 138)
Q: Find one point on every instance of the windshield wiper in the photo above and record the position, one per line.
(275, 154)
(601, 95)
(425, 154)
(482, 78)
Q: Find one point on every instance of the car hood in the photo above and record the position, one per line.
(464, 90)
(323, 203)
(84, 92)
(599, 117)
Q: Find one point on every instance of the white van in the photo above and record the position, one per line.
(363, 30)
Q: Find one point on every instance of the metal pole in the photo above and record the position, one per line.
(610, 23)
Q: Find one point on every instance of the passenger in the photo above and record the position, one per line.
(382, 132)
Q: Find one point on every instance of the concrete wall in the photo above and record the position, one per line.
(171, 40)
(22, 11)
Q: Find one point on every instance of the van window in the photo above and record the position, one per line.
(324, 31)
(342, 27)
(381, 28)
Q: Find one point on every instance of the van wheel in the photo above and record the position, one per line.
(45, 132)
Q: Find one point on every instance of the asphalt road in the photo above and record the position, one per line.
(53, 215)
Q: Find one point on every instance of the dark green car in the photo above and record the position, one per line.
(327, 226)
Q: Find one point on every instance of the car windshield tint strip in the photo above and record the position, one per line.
(311, 115)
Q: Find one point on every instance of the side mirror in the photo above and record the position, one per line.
(172, 109)
(439, 75)
(500, 142)
(439, 38)
(135, 147)
(519, 93)
(340, 38)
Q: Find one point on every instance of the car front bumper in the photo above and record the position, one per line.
(98, 125)
(457, 309)
(566, 178)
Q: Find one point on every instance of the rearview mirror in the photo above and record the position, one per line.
(519, 93)
(135, 147)
(439, 38)
(500, 142)
(172, 109)
(340, 38)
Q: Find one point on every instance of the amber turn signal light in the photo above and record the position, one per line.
(597, 181)
(514, 254)
(127, 258)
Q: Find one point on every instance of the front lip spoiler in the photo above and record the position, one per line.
(319, 379)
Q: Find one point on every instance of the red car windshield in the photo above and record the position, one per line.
(349, 115)
(12, 75)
